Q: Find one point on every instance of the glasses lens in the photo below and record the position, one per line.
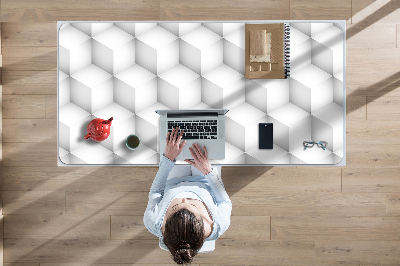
(308, 143)
(322, 144)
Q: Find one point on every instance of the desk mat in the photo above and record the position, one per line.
(128, 70)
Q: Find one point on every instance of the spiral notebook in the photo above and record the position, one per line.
(267, 51)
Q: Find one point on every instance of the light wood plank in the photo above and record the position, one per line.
(29, 34)
(111, 203)
(51, 106)
(256, 252)
(393, 204)
(148, 251)
(335, 228)
(33, 202)
(323, 9)
(246, 227)
(281, 179)
(372, 84)
(368, 252)
(314, 264)
(50, 226)
(356, 108)
(85, 251)
(30, 130)
(62, 10)
(378, 264)
(371, 180)
(1, 158)
(1, 66)
(0, 37)
(383, 108)
(308, 204)
(223, 10)
(30, 154)
(372, 156)
(378, 60)
(1, 238)
(110, 264)
(24, 106)
(30, 82)
(120, 179)
(129, 227)
(373, 132)
(359, 5)
(21, 264)
(384, 36)
(29, 58)
(397, 35)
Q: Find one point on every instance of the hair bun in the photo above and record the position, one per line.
(183, 256)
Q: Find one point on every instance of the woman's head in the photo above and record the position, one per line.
(184, 235)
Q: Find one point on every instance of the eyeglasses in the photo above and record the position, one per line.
(310, 144)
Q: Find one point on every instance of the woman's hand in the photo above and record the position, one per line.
(173, 148)
(201, 161)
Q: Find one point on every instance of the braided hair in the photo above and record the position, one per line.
(184, 235)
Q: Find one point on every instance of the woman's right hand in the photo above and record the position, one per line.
(201, 161)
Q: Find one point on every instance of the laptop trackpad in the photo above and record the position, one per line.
(214, 148)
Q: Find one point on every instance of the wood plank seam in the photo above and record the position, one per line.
(351, 12)
(270, 227)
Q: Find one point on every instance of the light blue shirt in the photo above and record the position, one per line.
(209, 188)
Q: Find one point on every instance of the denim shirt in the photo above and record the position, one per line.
(209, 188)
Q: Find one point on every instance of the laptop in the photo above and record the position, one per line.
(205, 127)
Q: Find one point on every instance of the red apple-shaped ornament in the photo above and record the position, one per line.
(98, 129)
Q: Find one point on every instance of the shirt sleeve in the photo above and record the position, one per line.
(224, 204)
(156, 194)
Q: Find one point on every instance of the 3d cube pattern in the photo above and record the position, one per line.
(129, 70)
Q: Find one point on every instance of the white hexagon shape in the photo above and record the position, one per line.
(223, 87)
(113, 50)
(75, 50)
(135, 88)
(201, 50)
(157, 50)
(179, 88)
(91, 88)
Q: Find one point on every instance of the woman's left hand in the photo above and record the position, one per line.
(173, 148)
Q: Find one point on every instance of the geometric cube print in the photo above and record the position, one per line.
(128, 70)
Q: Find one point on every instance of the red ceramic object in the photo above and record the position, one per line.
(98, 129)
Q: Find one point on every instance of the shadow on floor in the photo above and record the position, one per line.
(373, 18)
(378, 89)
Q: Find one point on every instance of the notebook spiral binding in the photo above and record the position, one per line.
(286, 49)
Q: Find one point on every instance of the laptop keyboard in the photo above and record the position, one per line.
(195, 129)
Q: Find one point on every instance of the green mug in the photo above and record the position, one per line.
(132, 142)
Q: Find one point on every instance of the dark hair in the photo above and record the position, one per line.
(184, 235)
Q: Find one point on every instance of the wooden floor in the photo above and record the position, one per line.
(281, 215)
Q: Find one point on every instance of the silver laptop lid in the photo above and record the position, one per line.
(193, 112)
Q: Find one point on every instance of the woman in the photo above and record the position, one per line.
(184, 210)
